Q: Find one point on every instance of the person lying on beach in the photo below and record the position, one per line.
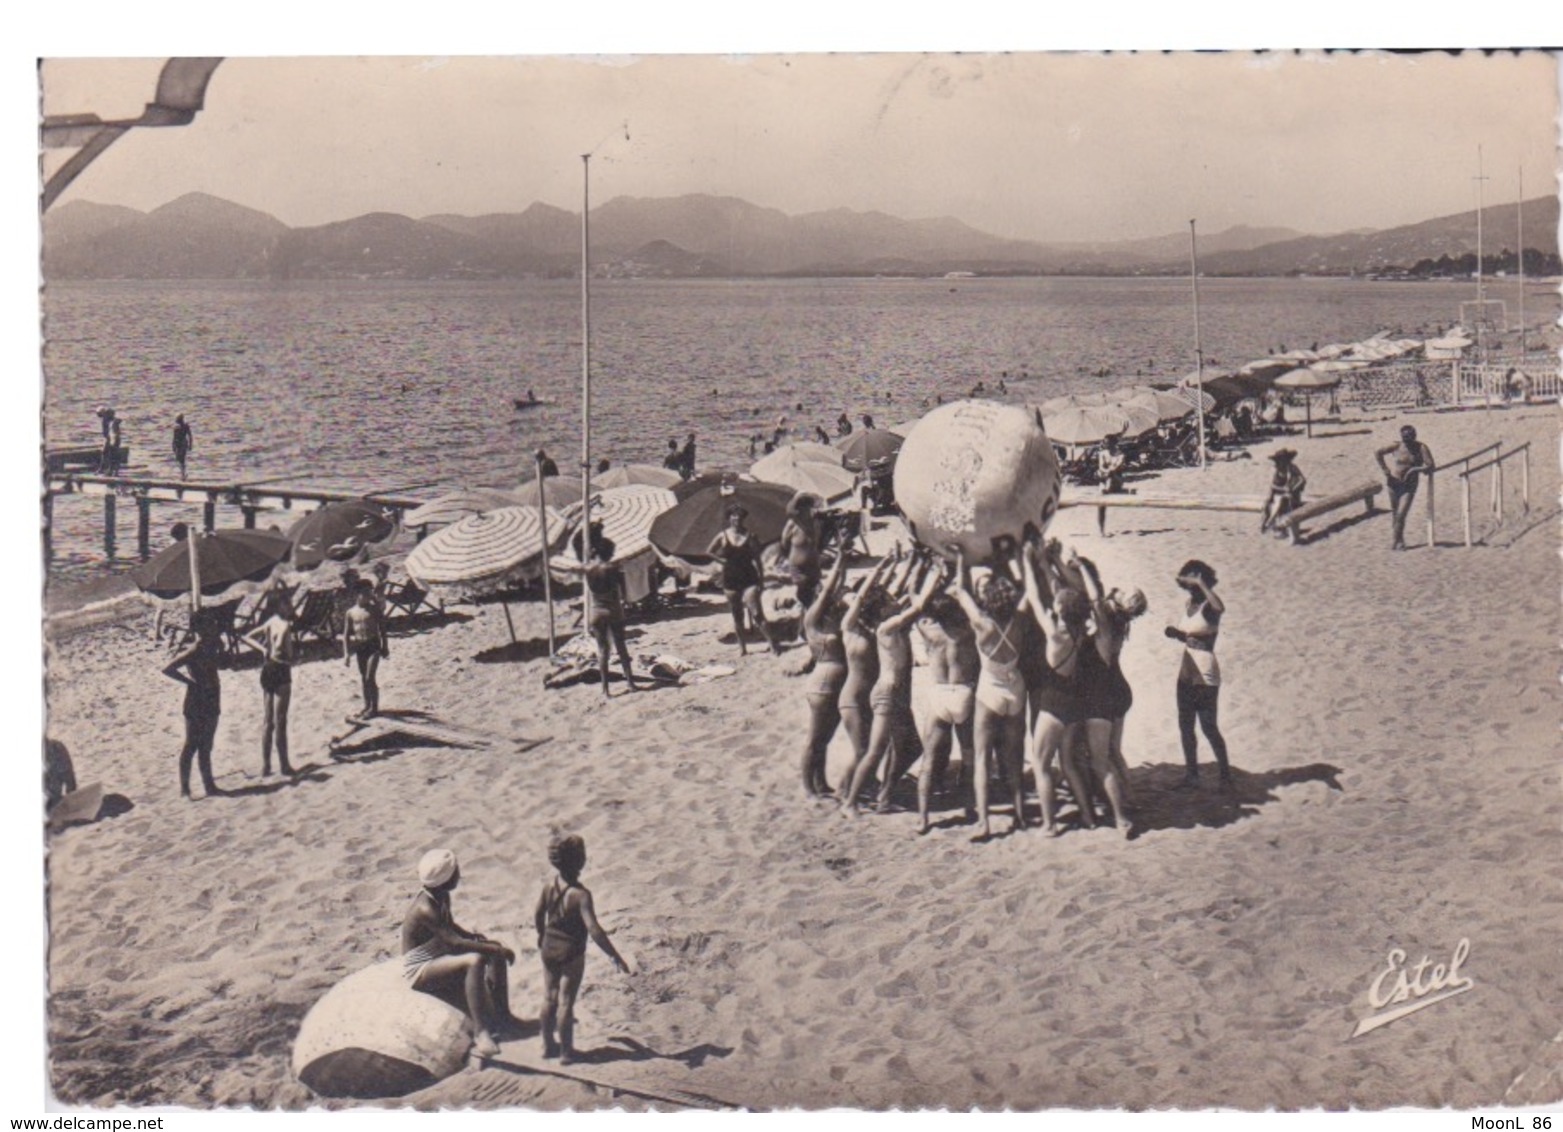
(1286, 489)
(364, 640)
(1105, 696)
(196, 668)
(892, 737)
(564, 918)
(822, 633)
(278, 645)
(999, 725)
(953, 665)
(440, 957)
(1060, 611)
(738, 550)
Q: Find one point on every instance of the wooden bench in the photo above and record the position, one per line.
(1292, 521)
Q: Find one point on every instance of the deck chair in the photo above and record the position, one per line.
(315, 615)
(407, 599)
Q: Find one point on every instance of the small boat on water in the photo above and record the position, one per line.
(524, 403)
(83, 458)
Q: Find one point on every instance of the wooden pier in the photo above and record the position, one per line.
(251, 498)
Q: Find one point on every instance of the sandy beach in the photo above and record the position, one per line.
(1392, 720)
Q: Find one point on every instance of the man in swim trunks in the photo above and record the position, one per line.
(1402, 464)
(364, 640)
(184, 441)
(278, 647)
(440, 957)
(953, 664)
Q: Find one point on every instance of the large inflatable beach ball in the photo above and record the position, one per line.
(972, 472)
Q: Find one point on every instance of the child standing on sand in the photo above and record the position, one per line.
(564, 918)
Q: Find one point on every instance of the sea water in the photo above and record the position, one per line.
(388, 385)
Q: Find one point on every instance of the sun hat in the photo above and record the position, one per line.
(1283, 454)
(436, 867)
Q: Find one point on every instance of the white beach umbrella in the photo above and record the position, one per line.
(626, 474)
(828, 480)
(457, 505)
(626, 514)
(483, 548)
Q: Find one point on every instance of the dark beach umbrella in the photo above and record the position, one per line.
(1232, 388)
(696, 484)
(338, 532)
(870, 446)
(686, 531)
(224, 558)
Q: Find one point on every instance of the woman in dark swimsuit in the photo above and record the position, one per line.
(1061, 613)
(564, 919)
(822, 633)
(1105, 696)
(738, 551)
(196, 669)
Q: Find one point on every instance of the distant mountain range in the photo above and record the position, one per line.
(204, 237)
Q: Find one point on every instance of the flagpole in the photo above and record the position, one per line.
(1519, 222)
(542, 525)
(586, 383)
(1199, 353)
(195, 571)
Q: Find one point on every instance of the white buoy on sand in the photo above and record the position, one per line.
(975, 471)
(373, 1036)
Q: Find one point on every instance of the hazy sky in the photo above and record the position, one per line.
(1036, 145)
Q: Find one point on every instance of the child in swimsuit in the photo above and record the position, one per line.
(565, 918)
(196, 668)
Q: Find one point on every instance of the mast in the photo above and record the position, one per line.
(586, 386)
(1199, 353)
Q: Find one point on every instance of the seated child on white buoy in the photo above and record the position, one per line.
(440, 957)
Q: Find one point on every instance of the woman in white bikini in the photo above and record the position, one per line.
(1199, 674)
(953, 666)
(1000, 724)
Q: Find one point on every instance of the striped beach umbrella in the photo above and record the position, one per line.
(457, 505)
(483, 548)
(626, 514)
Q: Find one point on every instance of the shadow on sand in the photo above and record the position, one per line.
(1161, 802)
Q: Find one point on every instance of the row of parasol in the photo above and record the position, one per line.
(218, 562)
